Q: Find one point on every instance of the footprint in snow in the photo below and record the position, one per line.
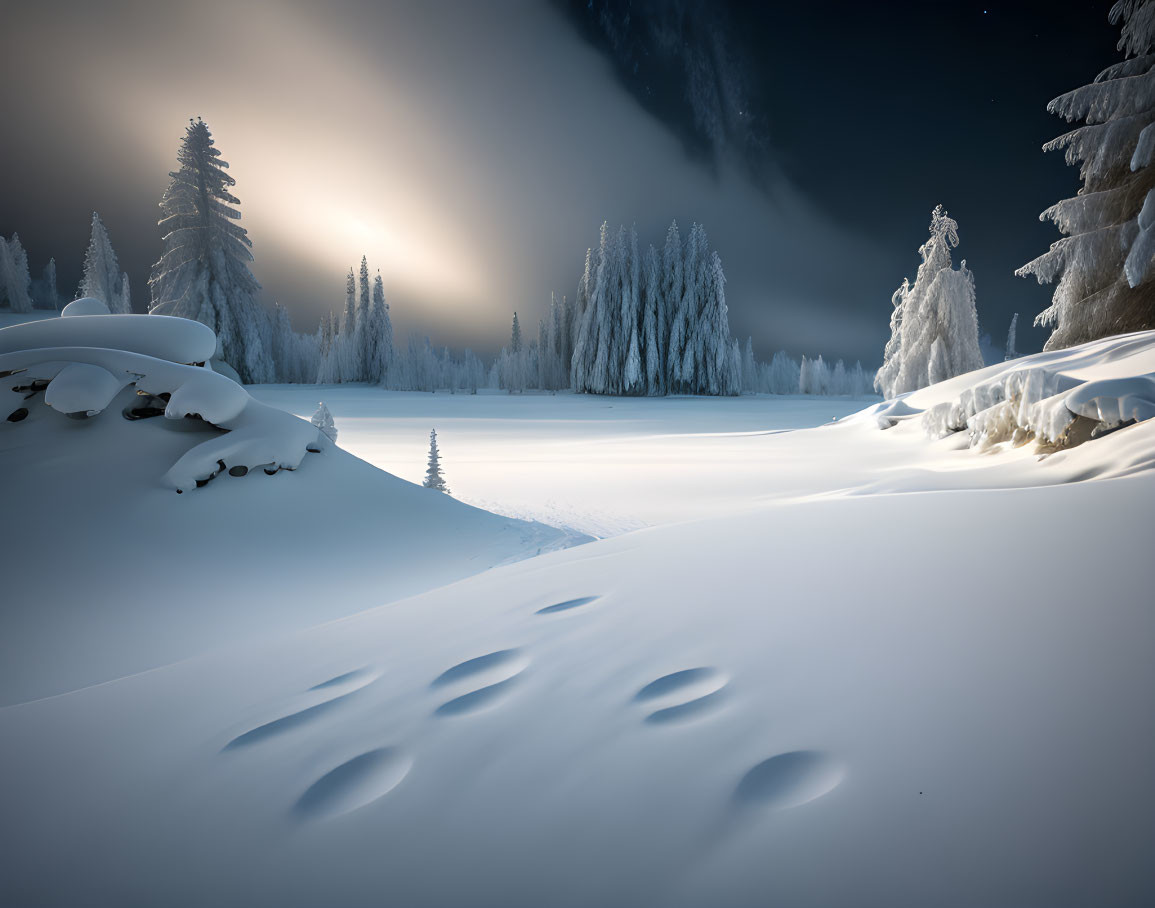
(789, 780)
(487, 678)
(566, 606)
(683, 695)
(354, 783)
(346, 685)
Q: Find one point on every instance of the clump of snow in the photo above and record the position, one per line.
(86, 305)
(1114, 402)
(84, 389)
(1041, 403)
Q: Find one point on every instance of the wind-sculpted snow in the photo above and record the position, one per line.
(178, 340)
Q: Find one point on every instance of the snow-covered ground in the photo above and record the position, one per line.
(849, 665)
(601, 466)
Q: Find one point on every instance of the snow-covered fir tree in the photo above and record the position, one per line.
(515, 335)
(103, 279)
(204, 271)
(433, 477)
(934, 325)
(1103, 264)
(45, 293)
(653, 326)
(15, 281)
(323, 420)
(1011, 353)
(378, 336)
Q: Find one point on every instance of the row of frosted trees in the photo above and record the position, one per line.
(640, 324)
(102, 279)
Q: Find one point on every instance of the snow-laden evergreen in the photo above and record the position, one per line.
(204, 271)
(15, 282)
(654, 327)
(934, 325)
(323, 420)
(1011, 352)
(45, 293)
(378, 337)
(103, 279)
(1103, 263)
(433, 477)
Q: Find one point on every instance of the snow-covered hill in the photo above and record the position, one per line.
(912, 670)
(107, 571)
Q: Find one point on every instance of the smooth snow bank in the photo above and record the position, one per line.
(178, 340)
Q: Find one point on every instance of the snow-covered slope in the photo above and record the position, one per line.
(909, 673)
(107, 571)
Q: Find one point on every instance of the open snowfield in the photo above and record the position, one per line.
(601, 466)
(843, 665)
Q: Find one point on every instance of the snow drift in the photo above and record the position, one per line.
(108, 571)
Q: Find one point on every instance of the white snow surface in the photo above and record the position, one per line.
(899, 671)
(178, 340)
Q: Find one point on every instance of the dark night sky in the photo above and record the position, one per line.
(472, 149)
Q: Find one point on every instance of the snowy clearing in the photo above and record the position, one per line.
(844, 664)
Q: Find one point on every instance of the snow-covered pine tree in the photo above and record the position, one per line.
(784, 374)
(362, 341)
(591, 292)
(433, 477)
(349, 354)
(204, 271)
(323, 420)
(1011, 353)
(47, 294)
(103, 279)
(515, 336)
(15, 282)
(653, 320)
(940, 305)
(1103, 263)
(379, 336)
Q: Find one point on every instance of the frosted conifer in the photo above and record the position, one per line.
(204, 271)
(433, 477)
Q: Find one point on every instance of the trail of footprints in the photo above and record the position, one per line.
(781, 781)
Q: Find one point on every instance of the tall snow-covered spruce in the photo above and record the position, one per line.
(433, 477)
(204, 271)
(103, 279)
(934, 326)
(1103, 264)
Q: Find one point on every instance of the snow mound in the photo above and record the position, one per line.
(83, 381)
(178, 340)
(166, 576)
(86, 305)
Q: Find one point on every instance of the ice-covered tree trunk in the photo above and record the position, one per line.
(204, 271)
(1103, 263)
